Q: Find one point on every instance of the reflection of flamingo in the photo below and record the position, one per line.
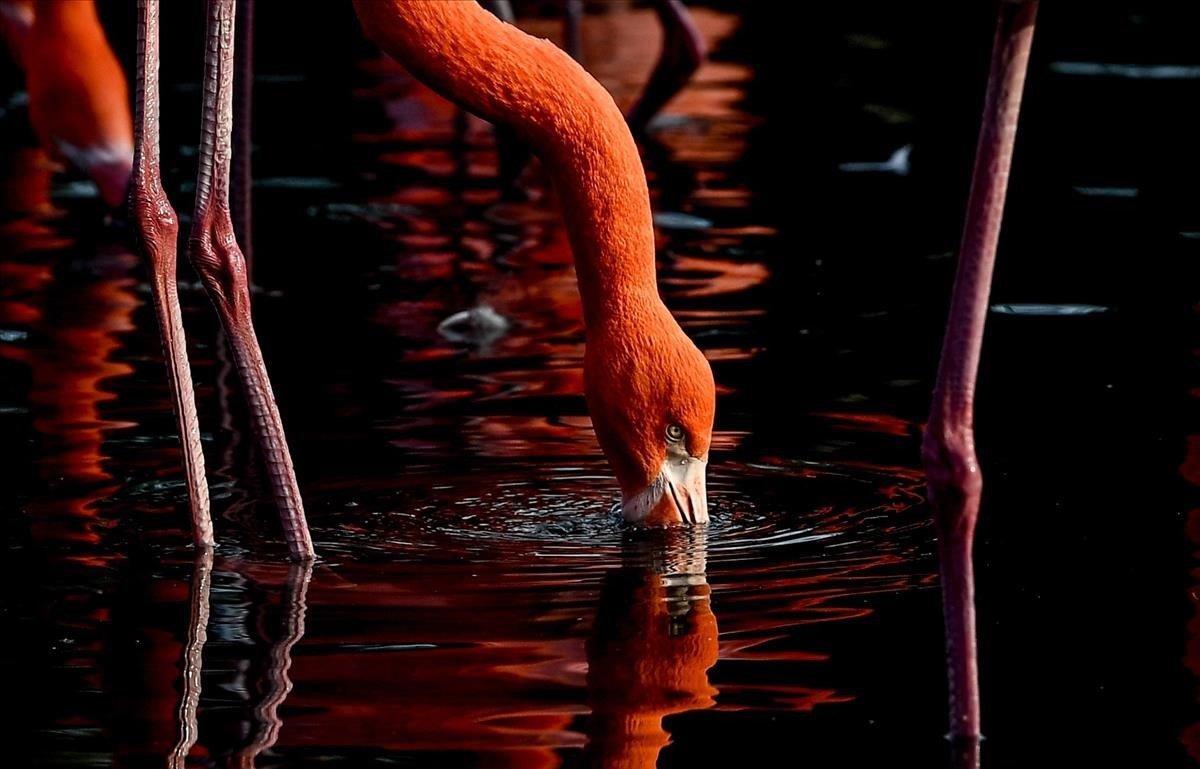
(504, 660)
(650, 391)
(78, 98)
(654, 639)
(70, 377)
(948, 451)
(648, 658)
(683, 51)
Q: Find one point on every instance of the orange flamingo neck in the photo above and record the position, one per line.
(570, 121)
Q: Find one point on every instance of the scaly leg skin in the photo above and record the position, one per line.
(948, 450)
(157, 229)
(683, 51)
(239, 198)
(215, 254)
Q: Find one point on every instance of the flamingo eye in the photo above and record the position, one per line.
(674, 433)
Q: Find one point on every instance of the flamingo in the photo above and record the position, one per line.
(649, 389)
(78, 97)
(80, 113)
(948, 448)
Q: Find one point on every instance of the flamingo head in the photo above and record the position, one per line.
(652, 400)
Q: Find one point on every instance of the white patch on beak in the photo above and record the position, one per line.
(682, 481)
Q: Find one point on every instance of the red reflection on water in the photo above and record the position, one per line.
(26, 173)
(649, 656)
(717, 276)
(653, 641)
(79, 324)
(882, 423)
(504, 657)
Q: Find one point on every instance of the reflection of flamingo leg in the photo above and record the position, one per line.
(215, 254)
(948, 450)
(683, 51)
(157, 228)
(501, 9)
(189, 700)
(573, 29)
(512, 154)
(965, 754)
(279, 684)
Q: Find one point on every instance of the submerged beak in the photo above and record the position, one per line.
(677, 495)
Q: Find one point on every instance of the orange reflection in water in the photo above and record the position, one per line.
(653, 640)
(506, 659)
(79, 324)
(648, 658)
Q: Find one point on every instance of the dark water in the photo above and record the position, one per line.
(477, 604)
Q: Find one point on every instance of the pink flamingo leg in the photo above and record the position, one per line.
(948, 450)
(240, 203)
(215, 254)
(157, 229)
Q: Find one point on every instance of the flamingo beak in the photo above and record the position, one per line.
(678, 495)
